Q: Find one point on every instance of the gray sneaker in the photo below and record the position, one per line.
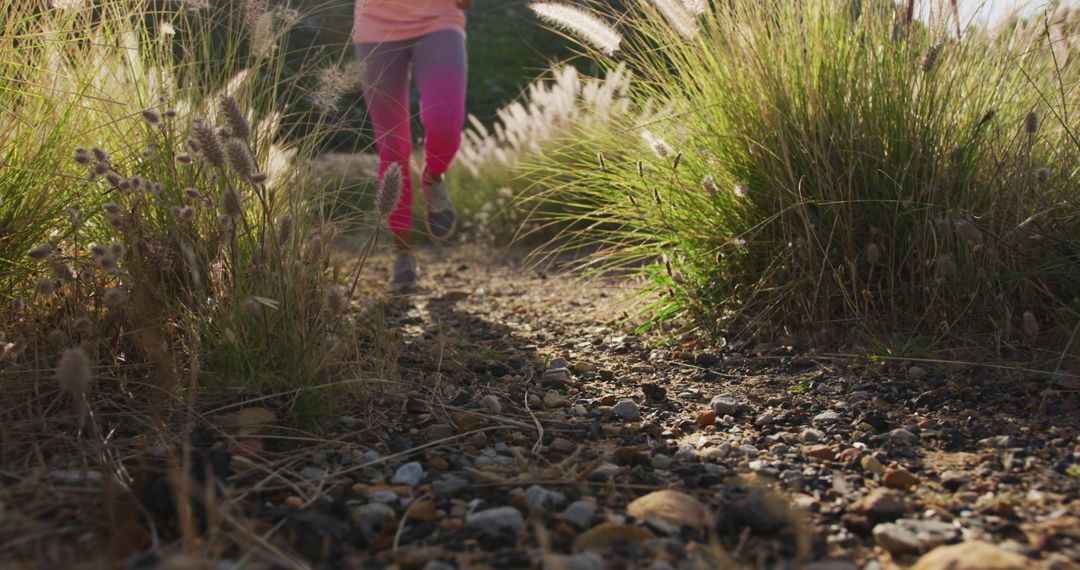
(440, 216)
(405, 275)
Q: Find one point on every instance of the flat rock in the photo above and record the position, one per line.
(910, 536)
(496, 522)
(627, 410)
(409, 474)
(579, 513)
(880, 505)
(725, 405)
(823, 452)
(555, 400)
(827, 417)
(541, 499)
(899, 478)
(973, 555)
(670, 506)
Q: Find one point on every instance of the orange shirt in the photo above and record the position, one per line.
(395, 20)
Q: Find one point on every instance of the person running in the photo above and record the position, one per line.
(426, 38)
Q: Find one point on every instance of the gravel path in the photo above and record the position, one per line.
(516, 424)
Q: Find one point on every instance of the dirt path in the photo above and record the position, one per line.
(515, 424)
(782, 456)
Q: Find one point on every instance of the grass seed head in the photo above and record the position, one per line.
(240, 157)
(252, 307)
(580, 23)
(82, 157)
(234, 116)
(47, 286)
(112, 208)
(1031, 324)
(231, 204)
(1042, 175)
(873, 254)
(98, 250)
(336, 300)
(740, 190)
(285, 228)
(969, 232)
(208, 143)
(192, 193)
(100, 155)
(73, 372)
(151, 117)
(39, 252)
(114, 296)
(184, 159)
(389, 190)
(930, 58)
(1031, 123)
(709, 185)
(61, 269)
(260, 178)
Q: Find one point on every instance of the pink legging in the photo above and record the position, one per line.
(439, 62)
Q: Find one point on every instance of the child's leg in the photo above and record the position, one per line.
(385, 79)
(441, 69)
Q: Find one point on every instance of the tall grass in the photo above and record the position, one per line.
(837, 172)
(489, 179)
(154, 211)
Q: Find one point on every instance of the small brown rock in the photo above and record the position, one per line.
(670, 506)
(880, 505)
(706, 418)
(973, 555)
(293, 502)
(823, 452)
(899, 478)
(870, 464)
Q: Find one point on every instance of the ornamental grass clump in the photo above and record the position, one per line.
(150, 194)
(891, 178)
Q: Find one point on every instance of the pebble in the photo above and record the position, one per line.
(314, 473)
(440, 431)
(409, 474)
(827, 417)
(496, 522)
(563, 445)
(435, 564)
(870, 464)
(725, 405)
(881, 505)
(823, 452)
(540, 499)
(554, 400)
(811, 435)
(558, 362)
(448, 485)
(916, 372)
(535, 402)
(372, 518)
(901, 436)
(661, 461)
(973, 555)
(605, 471)
(899, 478)
(706, 418)
(579, 513)
(581, 367)
(627, 410)
(765, 419)
(76, 477)
(670, 506)
(910, 536)
(491, 403)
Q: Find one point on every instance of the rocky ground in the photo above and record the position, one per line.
(523, 427)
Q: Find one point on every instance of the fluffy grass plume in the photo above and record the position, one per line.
(580, 23)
